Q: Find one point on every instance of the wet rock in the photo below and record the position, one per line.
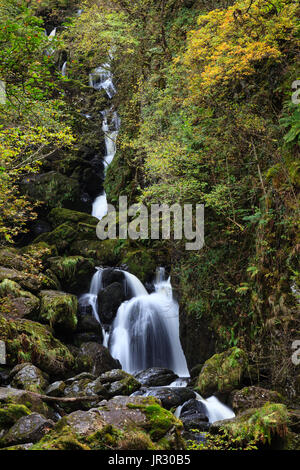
(222, 372)
(110, 275)
(28, 377)
(59, 216)
(28, 429)
(170, 397)
(156, 376)
(193, 415)
(56, 389)
(86, 319)
(109, 300)
(252, 397)
(59, 309)
(96, 358)
(40, 226)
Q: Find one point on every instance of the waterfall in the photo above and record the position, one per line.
(101, 78)
(145, 332)
(215, 409)
(64, 69)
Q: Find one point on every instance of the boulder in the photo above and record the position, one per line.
(42, 349)
(141, 263)
(103, 252)
(86, 318)
(156, 376)
(170, 397)
(193, 415)
(84, 423)
(73, 272)
(109, 300)
(222, 372)
(96, 358)
(18, 303)
(59, 310)
(27, 281)
(13, 396)
(252, 397)
(59, 216)
(27, 429)
(118, 382)
(56, 389)
(111, 275)
(28, 377)
(53, 188)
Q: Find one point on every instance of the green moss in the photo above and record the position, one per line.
(38, 343)
(222, 372)
(259, 425)
(59, 309)
(10, 413)
(61, 438)
(141, 262)
(60, 216)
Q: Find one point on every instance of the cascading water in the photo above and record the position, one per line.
(145, 332)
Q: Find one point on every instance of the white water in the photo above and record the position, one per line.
(101, 78)
(145, 332)
(216, 410)
(64, 69)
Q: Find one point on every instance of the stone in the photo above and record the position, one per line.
(73, 272)
(252, 397)
(109, 300)
(193, 415)
(84, 423)
(20, 303)
(222, 372)
(27, 281)
(56, 389)
(96, 358)
(28, 429)
(119, 382)
(59, 309)
(42, 349)
(22, 397)
(170, 397)
(59, 216)
(156, 376)
(28, 377)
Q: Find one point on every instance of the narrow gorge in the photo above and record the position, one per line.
(138, 343)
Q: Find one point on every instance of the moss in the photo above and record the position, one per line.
(73, 271)
(61, 237)
(37, 342)
(259, 425)
(141, 263)
(60, 216)
(222, 372)
(61, 438)
(103, 252)
(106, 438)
(59, 309)
(10, 413)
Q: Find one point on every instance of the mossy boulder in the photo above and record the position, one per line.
(105, 253)
(141, 263)
(10, 413)
(118, 382)
(222, 372)
(267, 425)
(73, 272)
(252, 397)
(59, 309)
(28, 281)
(27, 429)
(17, 302)
(32, 342)
(61, 237)
(53, 188)
(59, 216)
(28, 377)
(16, 403)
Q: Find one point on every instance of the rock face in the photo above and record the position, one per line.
(193, 416)
(222, 372)
(28, 377)
(252, 397)
(156, 376)
(170, 397)
(29, 428)
(59, 310)
(84, 423)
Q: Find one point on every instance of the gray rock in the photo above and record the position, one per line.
(170, 397)
(28, 429)
(56, 389)
(28, 377)
(156, 376)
